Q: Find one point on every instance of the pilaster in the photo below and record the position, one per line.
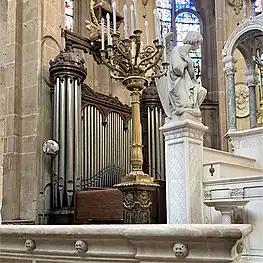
(184, 168)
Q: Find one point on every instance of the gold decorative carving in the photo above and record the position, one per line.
(237, 5)
(242, 101)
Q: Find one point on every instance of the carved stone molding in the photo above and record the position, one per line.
(207, 194)
(124, 243)
(236, 192)
(242, 100)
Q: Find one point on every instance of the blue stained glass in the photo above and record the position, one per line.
(164, 4)
(182, 4)
(164, 14)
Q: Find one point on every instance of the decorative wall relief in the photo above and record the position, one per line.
(242, 100)
(236, 4)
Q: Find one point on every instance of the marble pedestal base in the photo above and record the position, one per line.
(184, 168)
(248, 143)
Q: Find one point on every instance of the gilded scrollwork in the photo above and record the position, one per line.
(242, 101)
(137, 206)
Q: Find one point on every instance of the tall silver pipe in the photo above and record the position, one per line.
(161, 119)
(56, 109)
(149, 140)
(76, 136)
(62, 141)
(85, 141)
(153, 144)
(156, 130)
(70, 140)
(88, 156)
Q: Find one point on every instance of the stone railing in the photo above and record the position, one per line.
(122, 243)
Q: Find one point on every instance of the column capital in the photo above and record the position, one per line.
(230, 70)
(183, 126)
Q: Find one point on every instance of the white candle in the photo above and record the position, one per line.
(114, 17)
(102, 34)
(147, 32)
(108, 27)
(125, 21)
(164, 50)
(158, 29)
(135, 14)
(141, 49)
(132, 19)
(155, 23)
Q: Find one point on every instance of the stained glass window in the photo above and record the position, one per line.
(69, 4)
(258, 6)
(184, 12)
(164, 8)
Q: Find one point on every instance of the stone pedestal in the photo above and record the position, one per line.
(184, 168)
(226, 207)
(248, 143)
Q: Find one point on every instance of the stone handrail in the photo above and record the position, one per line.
(122, 243)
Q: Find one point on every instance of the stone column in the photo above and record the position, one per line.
(251, 83)
(230, 79)
(68, 73)
(184, 168)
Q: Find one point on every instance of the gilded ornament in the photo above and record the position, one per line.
(242, 101)
(237, 5)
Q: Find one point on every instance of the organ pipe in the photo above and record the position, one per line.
(68, 73)
(153, 139)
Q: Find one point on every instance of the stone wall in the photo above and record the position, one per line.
(33, 38)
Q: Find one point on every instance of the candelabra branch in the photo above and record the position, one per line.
(116, 77)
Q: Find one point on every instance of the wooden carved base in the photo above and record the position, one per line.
(137, 201)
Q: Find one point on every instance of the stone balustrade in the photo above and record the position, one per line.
(122, 243)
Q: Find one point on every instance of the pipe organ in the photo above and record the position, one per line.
(153, 140)
(106, 139)
(68, 73)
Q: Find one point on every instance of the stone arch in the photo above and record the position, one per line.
(247, 37)
(251, 25)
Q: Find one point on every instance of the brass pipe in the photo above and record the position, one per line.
(136, 154)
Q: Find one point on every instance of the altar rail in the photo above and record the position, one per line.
(119, 243)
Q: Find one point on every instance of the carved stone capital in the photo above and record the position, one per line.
(230, 70)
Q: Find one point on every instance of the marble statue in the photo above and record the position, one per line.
(180, 91)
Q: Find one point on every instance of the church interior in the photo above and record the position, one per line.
(99, 147)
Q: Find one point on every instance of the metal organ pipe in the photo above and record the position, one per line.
(68, 73)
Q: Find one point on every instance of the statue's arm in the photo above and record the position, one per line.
(190, 68)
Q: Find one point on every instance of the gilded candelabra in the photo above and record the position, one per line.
(134, 65)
